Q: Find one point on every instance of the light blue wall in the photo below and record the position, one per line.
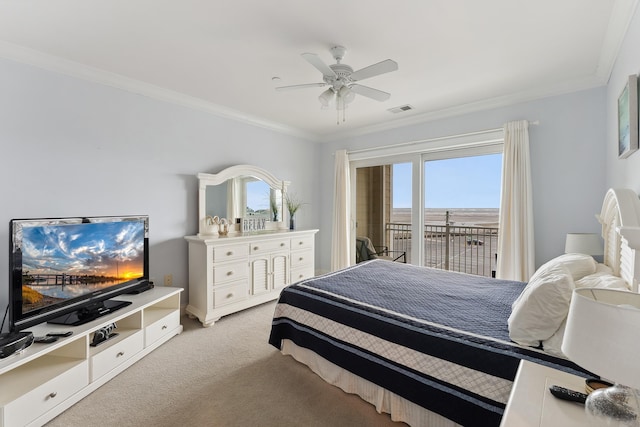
(626, 172)
(76, 148)
(567, 152)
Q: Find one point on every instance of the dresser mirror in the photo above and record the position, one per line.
(241, 191)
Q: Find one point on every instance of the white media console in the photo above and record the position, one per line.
(45, 379)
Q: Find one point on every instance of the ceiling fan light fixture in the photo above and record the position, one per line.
(326, 98)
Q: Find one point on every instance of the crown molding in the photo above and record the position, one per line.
(75, 69)
(619, 21)
(473, 107)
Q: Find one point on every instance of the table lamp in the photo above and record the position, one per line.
(602, 337)
(584, 243)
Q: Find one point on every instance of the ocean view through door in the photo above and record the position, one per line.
(459, 225)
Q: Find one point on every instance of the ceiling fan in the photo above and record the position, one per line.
(342, 80)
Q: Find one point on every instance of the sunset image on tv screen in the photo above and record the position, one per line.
(65, 261)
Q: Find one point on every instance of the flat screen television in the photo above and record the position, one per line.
(67, 270)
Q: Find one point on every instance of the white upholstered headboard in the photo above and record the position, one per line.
(620, 219)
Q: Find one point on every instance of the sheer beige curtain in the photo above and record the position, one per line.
(341, 236)
(516, 250)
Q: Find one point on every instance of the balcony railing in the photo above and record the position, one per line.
(467, 249)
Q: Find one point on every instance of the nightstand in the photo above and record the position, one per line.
(531, 403)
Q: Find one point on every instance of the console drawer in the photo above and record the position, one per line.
(230, 271)
(230, 293)
(160, 328)
(267, 246)
(224, 253)
(41, 399)
(115, 353)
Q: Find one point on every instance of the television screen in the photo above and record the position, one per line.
(62, 265)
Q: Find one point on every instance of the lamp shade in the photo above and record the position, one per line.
(326, 97)
(584, 243)
(602, 334)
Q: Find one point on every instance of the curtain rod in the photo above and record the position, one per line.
(402, 144)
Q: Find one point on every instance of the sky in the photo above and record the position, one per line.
(85, 249)
(466, 182)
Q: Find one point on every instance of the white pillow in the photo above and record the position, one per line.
(602, 280)
(579, 265)
(553, 345)
(603, 268)
(542, 306)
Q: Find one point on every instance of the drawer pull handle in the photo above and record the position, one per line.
(230, 295)
(301, 276)
(229, 253)
(301, 243)
(255, 248)
(300, 259)
(164, 327)
(229, 273)
(282, 244)
(120, 354)
(52, 395)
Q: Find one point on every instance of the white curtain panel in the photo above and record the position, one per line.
(341, 236)
(516, 249)
(234, 203)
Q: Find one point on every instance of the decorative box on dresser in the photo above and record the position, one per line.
(237, 271)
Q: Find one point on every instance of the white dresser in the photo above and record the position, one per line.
(234, 272)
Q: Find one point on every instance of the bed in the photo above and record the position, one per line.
(436, 348)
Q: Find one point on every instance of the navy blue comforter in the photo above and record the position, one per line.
(436, 338)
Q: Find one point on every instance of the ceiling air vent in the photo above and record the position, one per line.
(401, 109)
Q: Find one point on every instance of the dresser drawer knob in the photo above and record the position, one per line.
(229, 273)
(120, 354)
(52, 395)
(255, 248)
(300, 259)
(164, 327)
(282, 244)
(229, 253)
(230, 295)
(301, 243)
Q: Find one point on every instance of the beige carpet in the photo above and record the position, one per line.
(226, 375)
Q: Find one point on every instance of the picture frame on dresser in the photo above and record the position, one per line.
(628, 118)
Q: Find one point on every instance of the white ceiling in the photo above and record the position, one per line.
(453, 55)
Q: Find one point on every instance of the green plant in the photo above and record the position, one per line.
(293, 204)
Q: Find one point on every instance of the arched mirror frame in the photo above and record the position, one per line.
(207, 179)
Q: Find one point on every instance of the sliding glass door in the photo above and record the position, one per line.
(441, 209)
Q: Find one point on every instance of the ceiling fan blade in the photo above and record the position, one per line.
(315, 60)
(385, 66)
(370, 92)
(281, 88)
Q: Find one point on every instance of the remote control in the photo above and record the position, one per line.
(566, 394)
(60, 334)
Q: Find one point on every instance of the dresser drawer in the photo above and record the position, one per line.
(230, 271)
(301, 243)
(115, 354)
(266, 246)
(160, 328)
(301, 258)
(230, 252)
(46, 396)
(302, 273)
(231, 293)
